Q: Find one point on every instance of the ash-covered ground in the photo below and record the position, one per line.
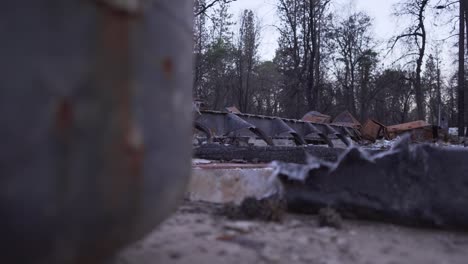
(198, 233)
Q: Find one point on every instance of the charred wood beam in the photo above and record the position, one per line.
(265, 154)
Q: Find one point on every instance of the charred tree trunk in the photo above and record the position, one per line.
(318, 88)
(461, 72)
(422, 49)
(464, 6)
(417, 36)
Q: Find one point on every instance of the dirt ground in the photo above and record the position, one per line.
(196, 233)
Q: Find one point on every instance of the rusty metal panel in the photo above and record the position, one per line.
(424, 134)
(95, 114)
(407, 126)
(419, 130)
(274, 127)
(346, 119)
(316, 117)
(233, 109)
(372, 130)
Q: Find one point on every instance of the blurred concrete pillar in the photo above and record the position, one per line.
(95, 115)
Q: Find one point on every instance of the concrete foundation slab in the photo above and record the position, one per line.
(229, 182)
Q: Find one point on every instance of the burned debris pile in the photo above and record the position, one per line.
(421, 185)
(232, 127)
(257, 154)
(331, 167)
(232, 135)
(235, 128)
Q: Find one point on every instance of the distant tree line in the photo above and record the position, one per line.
(326, 62)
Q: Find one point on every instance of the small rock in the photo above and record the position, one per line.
(330, 218)
(340, 241)
(303, 240)
(199, 220)
(343, 245)
(278, 228)
(267, 209)
(295, 257)
(175, 255)
(295, 224)
(248, 243)
(200, 161)
(386, 250)
(239, 161)
(309, 257)
(201, 233)
(240, 226)
(232, 249)
(270, 255)
(202, 249)
(324, 231)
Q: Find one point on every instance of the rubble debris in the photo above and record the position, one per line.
(271, 208)
(240, 226)
(228, 182)
(265, 154)
(420, 131)
(407, 126)
(453, 131)
(243, 242)
(297, 240)
(233, 109)
(316, 117)
(221, 125)
(328, 217)
(372, 130)
(235, 128)
(199, 104)
(200, 161)
(347, 119)
(420, 185)
(383, 144)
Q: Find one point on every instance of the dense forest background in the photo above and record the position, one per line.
(330, 62)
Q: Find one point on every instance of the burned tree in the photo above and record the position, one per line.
(246, 59)
(313, 40)
(200, 35)
(352, 42)
(299, 53)
(202, 6)
(416, 38)
(462, 95)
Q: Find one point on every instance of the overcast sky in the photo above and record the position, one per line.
(379, 10)
(385, 25)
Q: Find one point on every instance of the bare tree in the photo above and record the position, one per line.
(200, 45)
(299, 53)
(394, 98)
(462, 95)
(431, 81)
(313, 32)
(216, 66)
(202, 6)
(415, 36)
(353, 46)
(266, 94)
(246, 58)
(289, 57)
